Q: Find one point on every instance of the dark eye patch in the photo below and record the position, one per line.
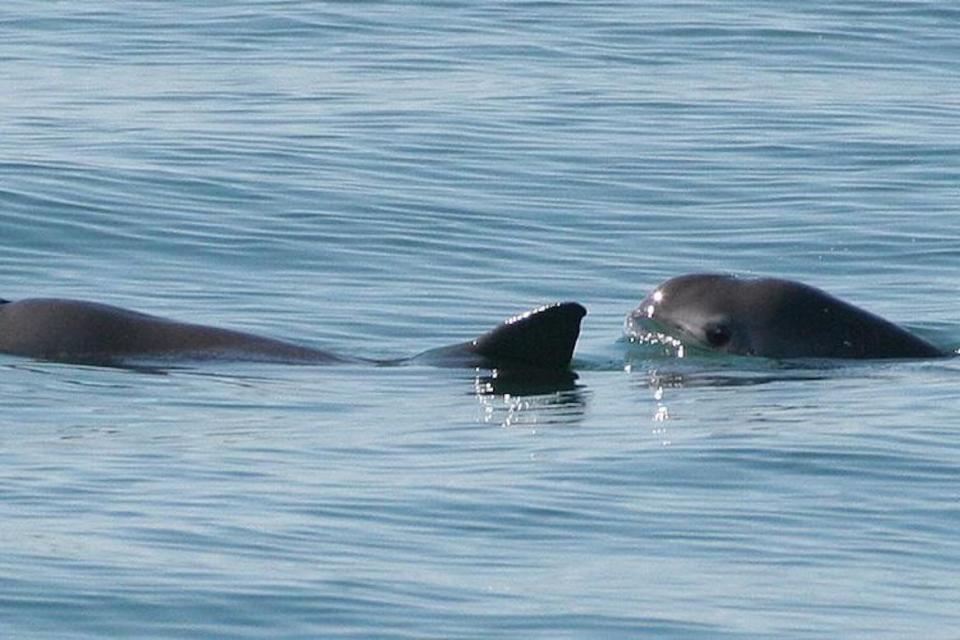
(717, 334)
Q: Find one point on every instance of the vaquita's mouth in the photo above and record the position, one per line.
(642, 330)
(637, 324)
(641, 327)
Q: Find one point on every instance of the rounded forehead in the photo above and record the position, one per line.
(726, 282)
(702, 287)
(704, 294)
(700, 278)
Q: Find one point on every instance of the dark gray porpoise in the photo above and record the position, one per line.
(771, 318)
(88, 332)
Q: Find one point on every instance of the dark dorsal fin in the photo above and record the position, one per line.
(544, 337)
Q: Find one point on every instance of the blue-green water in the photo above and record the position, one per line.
(382, 178)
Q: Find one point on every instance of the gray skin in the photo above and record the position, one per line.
(89, 332)
(771, 318)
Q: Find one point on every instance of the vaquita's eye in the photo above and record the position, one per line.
(718, 335)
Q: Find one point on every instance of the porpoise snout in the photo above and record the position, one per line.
(640, 322)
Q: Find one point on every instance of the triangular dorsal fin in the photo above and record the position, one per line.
(544, 337)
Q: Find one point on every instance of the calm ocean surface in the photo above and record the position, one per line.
(379, 178)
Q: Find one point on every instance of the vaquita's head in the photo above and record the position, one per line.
(699, 310)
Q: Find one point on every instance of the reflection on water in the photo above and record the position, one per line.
(706, 368)
(526, 382)
(665, 379)
(655, 377)
(530, 398)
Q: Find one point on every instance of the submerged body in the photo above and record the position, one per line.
(772, 318)
(81, 331)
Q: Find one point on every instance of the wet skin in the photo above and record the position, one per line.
(772, 318)
(82, 331)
